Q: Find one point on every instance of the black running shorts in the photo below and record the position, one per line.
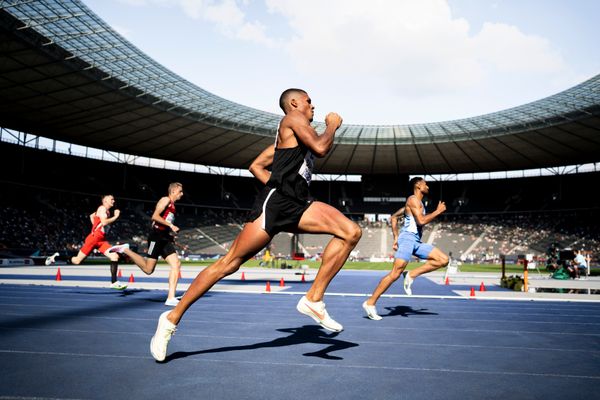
(160, 244)
(282, 213)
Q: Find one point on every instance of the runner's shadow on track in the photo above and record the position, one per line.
(405, 311)
(305, 334)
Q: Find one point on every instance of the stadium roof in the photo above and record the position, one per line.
(67, 75)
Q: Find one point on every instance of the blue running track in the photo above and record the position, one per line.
(90, 343)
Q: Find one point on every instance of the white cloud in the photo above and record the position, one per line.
(412, 60)
(226, 15)
(412, 47)
(508, 49)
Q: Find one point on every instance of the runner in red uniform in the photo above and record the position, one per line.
(101, 220)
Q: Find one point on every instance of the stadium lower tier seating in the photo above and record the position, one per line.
(47, 209)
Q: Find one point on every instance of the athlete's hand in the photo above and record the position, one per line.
(117, 213)
(174, 228)
(441, 207)
(395, 246)
(333, 119)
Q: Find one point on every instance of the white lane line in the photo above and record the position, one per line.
(482, 308)
(370, 342)
(556, 303)
(265, 323)
(420, 317)
(276, 290)
(309, 365)
(500, 310)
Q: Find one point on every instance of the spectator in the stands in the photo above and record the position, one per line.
(580, 263)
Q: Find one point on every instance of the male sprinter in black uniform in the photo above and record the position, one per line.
(160, 241)
(284, 205)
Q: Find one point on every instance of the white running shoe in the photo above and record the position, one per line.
(408, 281)
(51, 259)
(120, 248)
(118, 285)
(172, 302)
(160, 340)
(316, 310)
(371, 311)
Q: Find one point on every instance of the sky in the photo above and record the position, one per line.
(372, 61)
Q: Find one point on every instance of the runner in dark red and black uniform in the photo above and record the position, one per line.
(284, 205)
(161, 242)
(97, 239)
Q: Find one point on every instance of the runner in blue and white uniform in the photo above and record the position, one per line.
(408, 243)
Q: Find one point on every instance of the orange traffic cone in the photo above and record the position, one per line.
(303, 280)
(120, 274)
(243, 276)
(472, 292)
(268, 288)
(447, 281)
(58, 276)
(179, 275)
(281, 282)
(131, 280)
(482, 287)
